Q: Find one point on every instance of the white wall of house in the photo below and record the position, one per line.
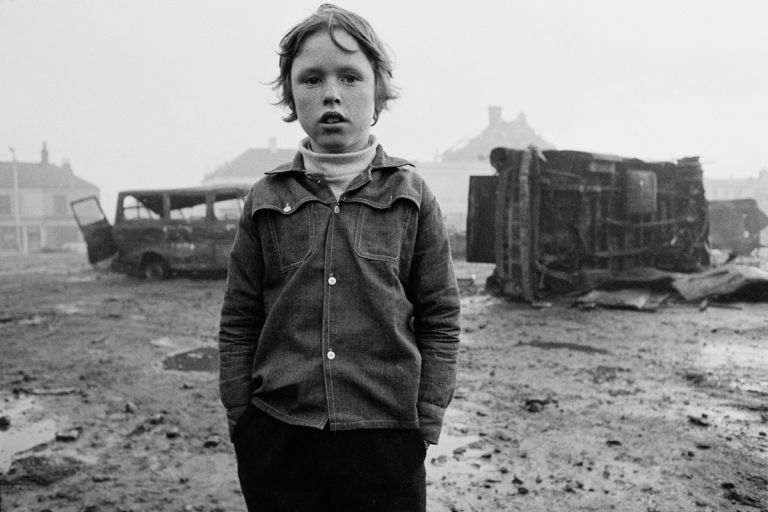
(41, 225)
(449, 181)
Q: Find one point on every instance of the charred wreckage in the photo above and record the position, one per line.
(569, 221)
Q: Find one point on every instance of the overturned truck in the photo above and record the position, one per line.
(555, 222)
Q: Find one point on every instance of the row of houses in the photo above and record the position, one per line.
(35, 196)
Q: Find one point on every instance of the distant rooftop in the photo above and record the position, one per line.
(251, 165)
(516, 134)
(42, 174)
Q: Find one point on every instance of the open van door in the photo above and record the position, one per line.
(96, 229)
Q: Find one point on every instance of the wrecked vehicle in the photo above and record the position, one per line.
(158, 232)
(735, 226)
(564, 221)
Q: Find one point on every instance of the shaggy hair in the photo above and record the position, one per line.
(330, 17)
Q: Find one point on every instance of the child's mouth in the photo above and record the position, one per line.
(331, 118)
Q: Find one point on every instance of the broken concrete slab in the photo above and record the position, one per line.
(730, 281)
(641, 277)
(43, 468)
(70, 435)
(47, 391)
(639, 299)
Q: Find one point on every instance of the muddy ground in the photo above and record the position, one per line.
(556, 409)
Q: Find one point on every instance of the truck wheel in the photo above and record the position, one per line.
(155, 270)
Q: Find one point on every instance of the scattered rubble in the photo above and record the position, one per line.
(46, 391)
(70, 435)
(538, 404)
(631, 298)
(42, 469)
(555, 409)
(699, 422)
(729, 282)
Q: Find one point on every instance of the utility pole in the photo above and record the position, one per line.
(16, 202)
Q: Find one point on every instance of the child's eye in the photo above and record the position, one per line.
(311, 80)
(350, 79)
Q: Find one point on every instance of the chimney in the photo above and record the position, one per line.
(44, 154)
(272, 145)
(494, 115)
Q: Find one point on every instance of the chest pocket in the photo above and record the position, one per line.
(292, 234)
(380, 231)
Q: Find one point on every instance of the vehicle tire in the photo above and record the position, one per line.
(494, 285)
(155, 270)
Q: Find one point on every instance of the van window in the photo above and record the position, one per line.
(227, 206)
(187, 207)
(142, 207)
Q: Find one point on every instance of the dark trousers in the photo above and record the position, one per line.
(286, 468)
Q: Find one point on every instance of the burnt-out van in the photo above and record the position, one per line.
(160, 232)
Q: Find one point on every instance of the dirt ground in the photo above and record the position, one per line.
(109, 402)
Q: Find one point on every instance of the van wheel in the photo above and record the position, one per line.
(155, 270)
(494, 285)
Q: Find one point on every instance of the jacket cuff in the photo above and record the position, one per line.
(430, 421)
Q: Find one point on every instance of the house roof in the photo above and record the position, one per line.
(516, 134)
(252, 164)
(41, 175)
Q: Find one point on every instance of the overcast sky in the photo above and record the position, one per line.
(155, 93)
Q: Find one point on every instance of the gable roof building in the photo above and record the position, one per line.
(448, 176)
(516, 134)
(34, 204)
(250, 165)
(42, 175)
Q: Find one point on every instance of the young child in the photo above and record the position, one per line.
(340, 323)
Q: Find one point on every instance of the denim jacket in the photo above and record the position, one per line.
(341, 312)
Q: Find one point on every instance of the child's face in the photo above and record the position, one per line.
(333, 93)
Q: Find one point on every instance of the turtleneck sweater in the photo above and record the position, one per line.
(338, 169)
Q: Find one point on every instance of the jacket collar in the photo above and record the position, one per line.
(378, 190)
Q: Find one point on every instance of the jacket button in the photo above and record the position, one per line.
(331, 280)
(336, 208)
(331, 355)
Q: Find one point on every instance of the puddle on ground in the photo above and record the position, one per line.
(69, 309)
(755, 387)
(552, 345)
(81, 279)
(204, 359)
(739, 414)
(164, 342)
(22, 434)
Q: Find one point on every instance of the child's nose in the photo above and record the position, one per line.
(331, 93)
